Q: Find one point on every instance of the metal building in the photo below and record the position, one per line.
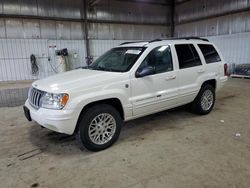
(48, 124)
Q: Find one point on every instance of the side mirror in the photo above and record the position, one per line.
(145, 72)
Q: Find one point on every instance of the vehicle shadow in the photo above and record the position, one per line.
(61, 144)
(166, 120)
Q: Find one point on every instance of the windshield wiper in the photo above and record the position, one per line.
(105, 69)
(86, 67)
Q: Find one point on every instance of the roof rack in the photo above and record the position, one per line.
(131, 42)
(157, 40)
(185, 38)
(192, 37)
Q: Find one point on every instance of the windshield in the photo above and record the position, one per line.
(117, 59)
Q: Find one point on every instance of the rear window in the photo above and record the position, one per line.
(209, 52)
(187, 56)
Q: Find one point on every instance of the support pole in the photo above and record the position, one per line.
(85, 8)
(172, 16)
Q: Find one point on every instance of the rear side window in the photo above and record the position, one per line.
(209, 52)
(187, 56)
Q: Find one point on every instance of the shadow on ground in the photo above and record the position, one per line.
(62, 144)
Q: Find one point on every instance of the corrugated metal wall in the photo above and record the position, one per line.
(30, 27)
(187, 11)
(15, 57)
(113, 10)
(235, 47)
(226, 23)
(223, 25)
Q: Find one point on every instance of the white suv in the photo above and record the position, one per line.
(129, 81)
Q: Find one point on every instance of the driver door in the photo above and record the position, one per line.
(159, 90)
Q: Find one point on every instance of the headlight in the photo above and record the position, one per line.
(54, 101)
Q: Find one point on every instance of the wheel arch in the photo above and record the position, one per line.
(115, 102)
(211, 82)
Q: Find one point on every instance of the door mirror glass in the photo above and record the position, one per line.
(145, 72)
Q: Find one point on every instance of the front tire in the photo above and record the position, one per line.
(99, 127)
(204, 101)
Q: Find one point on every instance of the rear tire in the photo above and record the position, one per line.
(204, 101)
(99, 127)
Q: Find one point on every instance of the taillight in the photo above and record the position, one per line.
(225, 69)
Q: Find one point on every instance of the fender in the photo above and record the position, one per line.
(80, 101)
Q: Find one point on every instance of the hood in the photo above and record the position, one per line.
(74, 79)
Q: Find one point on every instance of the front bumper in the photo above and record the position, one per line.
(62, 121)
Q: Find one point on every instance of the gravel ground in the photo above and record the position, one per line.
(170, 149)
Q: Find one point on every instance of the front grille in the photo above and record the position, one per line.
(35, 96)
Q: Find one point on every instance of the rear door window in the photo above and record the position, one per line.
(209, 52)
(187, 56)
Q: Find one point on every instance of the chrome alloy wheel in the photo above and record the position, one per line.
(207, 100)
(102, 128)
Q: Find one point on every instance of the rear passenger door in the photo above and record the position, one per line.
(191, 72)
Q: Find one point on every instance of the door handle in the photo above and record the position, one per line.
(201, 71)
(170, 77)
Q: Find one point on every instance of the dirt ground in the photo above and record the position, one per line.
(170, 149)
